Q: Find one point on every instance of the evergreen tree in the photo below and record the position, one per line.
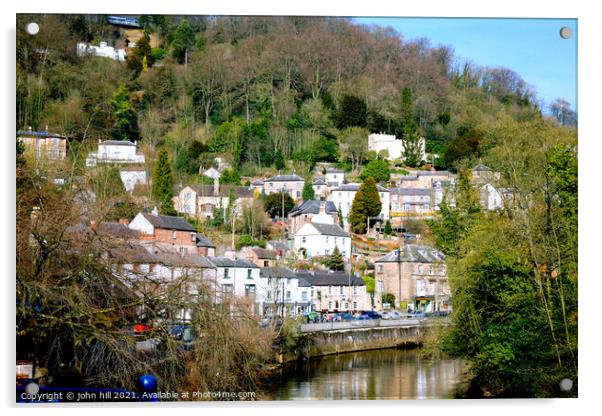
(308, 190)
(352, 112)
(124, 115)
(341, 219)
(163, 184)
(336, 260)
(141, 55)
(279, 160)
(183, 40)
(366, 204)
(273, 204)
(410, 133)
(388, 229)
(378, 169)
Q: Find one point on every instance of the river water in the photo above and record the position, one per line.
(390, 374)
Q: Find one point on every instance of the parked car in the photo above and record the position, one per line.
(362, 318)
(370, 314)
(438, 313)
(391, 315)
(416, 314)
(344, 316)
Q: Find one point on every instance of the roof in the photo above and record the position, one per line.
(330, 229)
(334, 170)
(353, 187)
(228, 262)
(117, 143)
(169, 222)
(330, 279)
(44, 134)
(224, 190)
(413, 253)
(481, 167)
(285, 178)
(318, 182)
(433, 173)
(263, 253)
(116, 229)
(202, 241)
(410, 192)
(313, 207)
(408, 178)
(303, 282)
(257, 182)
(277, 273)
(278, 245)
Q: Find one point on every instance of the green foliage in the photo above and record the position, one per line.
(275, 202)
(369, 282)
(246, 240)
(308, 190)
(388, 298)
(388, 229)
(366, 204)
(106, 182)
(183, 40)
(122, 208)
(464, 146)
(410, 133)
(279, 161)
(162, 190)
(157, 54)
(230, 176)
(336, 260)
(377, 169)
(140, 56)
(352, 112)
(125, 125)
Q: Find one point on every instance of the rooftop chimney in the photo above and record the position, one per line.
(155, 211)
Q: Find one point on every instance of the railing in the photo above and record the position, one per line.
(368, 323)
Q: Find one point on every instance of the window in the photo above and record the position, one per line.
(249, 290)
(288, 295)
(192, 237)
(173, 234)
(182, 250)
(355, 290)
(266, 263)
(431, 271)
(380, 268)
(226, 273)
(326, 239)
(227, 289)
(303, 239)
(380, 287)
(354, 305)
(420, 269)
(330, 305)
(249, 273)
(304, 295)
(269, 295)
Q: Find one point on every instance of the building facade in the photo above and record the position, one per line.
(343, 196)
(291, 184)
(336, 292)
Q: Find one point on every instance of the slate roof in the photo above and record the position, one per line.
(318, 182)
(413, 253)
(303, 282)
(228, 262)
(431, 173)
(116, 229)
(278, 245)
(168, 222)
(330, 229)
(353, 187)
(277, 273)
(202, 241)
(334, 170)
(224, 190)
(482, 168)
(23, 133)
(410, 192)
(313, 207)
(285, 178)
(330, 279)
(117, 143)
(257, 182)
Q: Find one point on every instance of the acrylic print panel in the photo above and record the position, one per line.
(219, 208)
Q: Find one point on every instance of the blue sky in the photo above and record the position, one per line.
(531, 47)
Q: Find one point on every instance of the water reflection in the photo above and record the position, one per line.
(382, 374)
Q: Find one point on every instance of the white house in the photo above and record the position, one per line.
(343, 199)
(319, 187)
(394, 148)
(283, 293)
(103, 50)
(122, 153)
(320, 237)
(201, 200)
(334, 177)
(291, 184)
(490, 198)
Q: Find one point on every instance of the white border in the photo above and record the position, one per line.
(589, 92)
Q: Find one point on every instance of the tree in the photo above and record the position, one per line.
(183, 40)
(125, 125)
(162, 189)
(388, 298)
(336, 260)
(274, 204)
(388, 229)
(140, 54)
(366, 204)
(410, 134)
(354, 146)
(340, 216)
(106, 182)
(230, 176)
(308, 190)
(377, 169)
(562, 112)
(352, 112)
(279, 160)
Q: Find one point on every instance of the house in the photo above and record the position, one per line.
(334, 177)
(391, 147)
(165, 232)
(306, 211)
(260, 256)
(280, 247)
(291, 184)
(103, 50)
(238, 278)
(427, 178)
(319, 187)
(320, 239)
(343, 196)
(257, 184)
(43, 145)
(283, 292)
(201, 201)
(335, 291)
(410, 201)
(416, 275)
(482, 173)
(123, 154)
(204, 246)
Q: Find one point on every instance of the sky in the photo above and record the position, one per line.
(533, 48)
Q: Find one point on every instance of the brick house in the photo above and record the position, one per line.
(416, 276)
(260, 256)
(166, 232)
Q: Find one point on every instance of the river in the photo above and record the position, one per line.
(390, 374)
